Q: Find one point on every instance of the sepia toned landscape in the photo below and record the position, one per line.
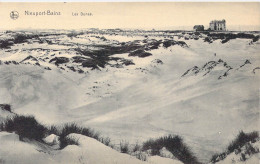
(129, 95)
(131, 86)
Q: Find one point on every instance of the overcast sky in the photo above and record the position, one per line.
(130, 15)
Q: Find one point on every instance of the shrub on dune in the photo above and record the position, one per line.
(242, 140)
(66, 140)
(74, 128)
(25, 127)
(124, 147)
(173, 144)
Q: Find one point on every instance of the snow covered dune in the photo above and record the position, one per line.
(204, 92)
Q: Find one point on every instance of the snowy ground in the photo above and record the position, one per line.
(89, 151)
(140, 101)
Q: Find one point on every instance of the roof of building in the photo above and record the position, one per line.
(218, 21)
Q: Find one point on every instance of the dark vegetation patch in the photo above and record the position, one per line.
(65, 141)
(53, 130)
(10, 62)
(80, 71)
(47, 68)
(28, 128)
(94, 63)
(225, 37)
(22, 38)
(79, 59)
(208, 67)
(96, 59)
(211, 65)
(256, 38)
(92, 59)
(246, 62)
(225, 40)
(71, 68)
(124, 147)
(127, 62)
(256, 68)
(59, 60)
(25, 127)
(157, 61)
(168, 43)
(194, 69)
(6, 107)
(73, 128)
(4, 44)
(208, 39)
(249, 150)
(242, 139)
(67, 129)
(121, 61)
(151, 45)
(136, 147)
(174, 144)
(140, 53)
(74, 34)
(101, 57)
(105, 140)
(111, 50)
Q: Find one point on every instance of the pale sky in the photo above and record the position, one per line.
(130, 15)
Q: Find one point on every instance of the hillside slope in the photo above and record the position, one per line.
(147, 99)
(89, 151)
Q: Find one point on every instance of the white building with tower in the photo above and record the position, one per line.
(218, 25)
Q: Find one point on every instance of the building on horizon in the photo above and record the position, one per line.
(218, 25)
(198, 28)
